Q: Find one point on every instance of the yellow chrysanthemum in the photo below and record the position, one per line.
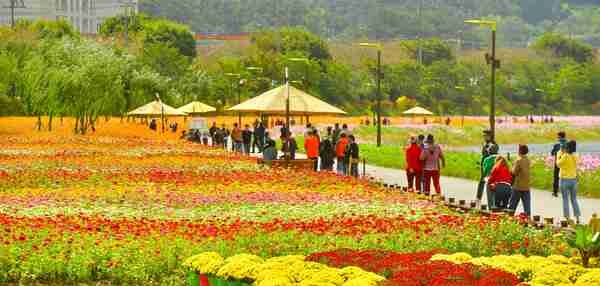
(591, 278)
(207, 262)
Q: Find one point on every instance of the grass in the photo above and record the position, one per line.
(472, 135)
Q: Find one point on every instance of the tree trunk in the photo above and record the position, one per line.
(76, 125)
(39, 123)
(585, 258)
(50, 122)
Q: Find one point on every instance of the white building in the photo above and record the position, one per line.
(85, 15)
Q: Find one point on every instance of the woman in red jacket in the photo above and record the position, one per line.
(499, 185)
(414, 166)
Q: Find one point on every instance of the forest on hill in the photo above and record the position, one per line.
(520, 21)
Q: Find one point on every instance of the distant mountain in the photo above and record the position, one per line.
(519, 20)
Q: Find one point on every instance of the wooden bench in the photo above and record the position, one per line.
(298, 164)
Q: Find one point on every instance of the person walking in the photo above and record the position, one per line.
(311, 145)
(489, 144)
(521, 190)
(414, 167)
(212, 131)
(562, 141)
(421, 143)
(352, 156)
(499, 185)
(567, 162)
(247, 139)
(236, 138)
(260, 135)
(225, 132)
(340, 152)
(327, 152)
(434, 161)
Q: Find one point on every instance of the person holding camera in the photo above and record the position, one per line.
(434, 161)
(566, 160)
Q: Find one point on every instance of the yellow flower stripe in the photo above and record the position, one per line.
(535, 270)
(289, 270)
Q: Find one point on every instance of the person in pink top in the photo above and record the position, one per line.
(433, 161)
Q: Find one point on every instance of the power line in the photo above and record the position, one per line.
(14, 4)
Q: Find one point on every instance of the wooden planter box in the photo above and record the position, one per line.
(195, 279)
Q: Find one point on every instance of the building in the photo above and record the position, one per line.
(86, 16)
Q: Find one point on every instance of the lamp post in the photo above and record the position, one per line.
(379, 77)
(287, 86)
(495, 63)
(240, 82)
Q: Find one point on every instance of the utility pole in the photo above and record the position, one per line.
(127, 5)
(420, 35)
(14, 4)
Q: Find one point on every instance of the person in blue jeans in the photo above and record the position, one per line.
(566, 160)
(521, 190)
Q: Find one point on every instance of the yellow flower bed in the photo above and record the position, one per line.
(279, 271)
(535, 270)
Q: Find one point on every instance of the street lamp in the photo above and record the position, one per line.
(240, 82)
(495, 63)
(287, 85)
(379, 77)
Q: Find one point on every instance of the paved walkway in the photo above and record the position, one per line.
(543, 203)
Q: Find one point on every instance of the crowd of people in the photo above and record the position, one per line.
(337, 146)
(505, 186)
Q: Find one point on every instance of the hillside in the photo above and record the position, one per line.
(519, 20)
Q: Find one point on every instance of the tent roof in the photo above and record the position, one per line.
(273, 102)
(418, 111)
(196, 107)
(155, 108)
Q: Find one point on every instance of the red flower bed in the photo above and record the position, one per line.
(415, 269)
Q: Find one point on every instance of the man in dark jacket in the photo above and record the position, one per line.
(488, 145)
(246, 139)
(562, 141)
(352, 155)
(259, 137)
(213, 132)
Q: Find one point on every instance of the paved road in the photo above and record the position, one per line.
(543, 203)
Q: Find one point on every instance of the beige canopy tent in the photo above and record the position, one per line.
(156, 108)
(418, 111)
(196, 107)
(274, 102)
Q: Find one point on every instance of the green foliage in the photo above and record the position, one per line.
(561, 46)
(433, 50)
(289, 40)
(153, 31)
(586, 241)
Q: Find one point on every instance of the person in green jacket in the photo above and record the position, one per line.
(489, 144)
(486, 167)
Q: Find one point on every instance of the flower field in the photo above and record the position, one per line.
(130, 210)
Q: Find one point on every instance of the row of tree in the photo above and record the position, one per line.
(49, 70)
(520, 21)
